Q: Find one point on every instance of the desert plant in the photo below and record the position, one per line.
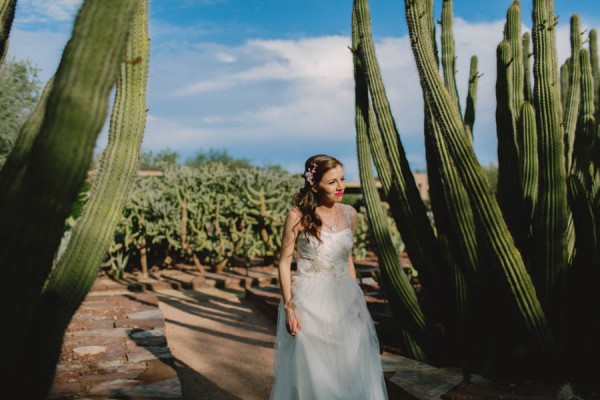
(44, 173)
(494, 259)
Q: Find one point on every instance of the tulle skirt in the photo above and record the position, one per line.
(335, 354)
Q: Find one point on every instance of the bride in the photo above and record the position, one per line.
(326, 346)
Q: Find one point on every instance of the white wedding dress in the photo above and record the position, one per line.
(335, 354)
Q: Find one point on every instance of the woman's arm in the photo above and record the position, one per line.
(290, 232)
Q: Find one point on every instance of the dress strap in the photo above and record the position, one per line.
(348, 214)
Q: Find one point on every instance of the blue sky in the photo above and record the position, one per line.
(271, 80)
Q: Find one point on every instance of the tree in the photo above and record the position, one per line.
(218, 156)
(151, 160)
(19, 93)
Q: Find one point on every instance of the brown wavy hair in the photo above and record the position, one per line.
(306, 201)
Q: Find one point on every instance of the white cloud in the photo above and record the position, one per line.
(299, 94)
(324, 59)
(226, 58)
(280, 101)
(44, 11)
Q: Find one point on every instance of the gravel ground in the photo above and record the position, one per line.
(222, 344)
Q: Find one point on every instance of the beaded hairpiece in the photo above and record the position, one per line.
(309, 175)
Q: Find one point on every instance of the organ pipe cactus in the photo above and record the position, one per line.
(77, 268)
(7, 14)
(40, 185)
(398, 289)
(527, 89)
(527, 245)
(549, 258)
(406, 205)
(469, 117)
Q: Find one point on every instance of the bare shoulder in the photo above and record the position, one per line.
(294, 215)
(352, 209)
(293, 219)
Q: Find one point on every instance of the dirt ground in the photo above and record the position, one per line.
(222, 344)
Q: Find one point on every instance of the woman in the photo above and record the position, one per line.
(326, 346)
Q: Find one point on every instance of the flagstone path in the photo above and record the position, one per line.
(222, 344)
(220, 330)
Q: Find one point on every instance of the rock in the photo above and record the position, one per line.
(157, 370)
(148, 334)
(148, 314)
(113, 352)
(139, 322)
(121, 366)
(115, 332)
(423, 381)
(89, 350)
(112, 387)
(148, 353)
(168, 389)
(60, 390)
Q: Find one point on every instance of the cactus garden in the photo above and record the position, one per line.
(502, 277)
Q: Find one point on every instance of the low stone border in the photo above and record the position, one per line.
(116, 347)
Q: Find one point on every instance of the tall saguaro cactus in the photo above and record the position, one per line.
(43, 176)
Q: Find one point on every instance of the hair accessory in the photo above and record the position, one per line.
(309, 175)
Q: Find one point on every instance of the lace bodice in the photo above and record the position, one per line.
(328, 258)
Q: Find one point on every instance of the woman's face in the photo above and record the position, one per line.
(332, 185)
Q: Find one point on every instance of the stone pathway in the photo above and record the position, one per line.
(220, 330)
(115, 347)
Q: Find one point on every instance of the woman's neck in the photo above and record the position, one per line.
(326, 206)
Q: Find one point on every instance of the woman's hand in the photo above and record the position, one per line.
(292, 324)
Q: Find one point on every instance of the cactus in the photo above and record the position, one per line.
(40, 187)
(207, 215)
(537, 244)
(528, 168)
(527, 89)
(398, 289)
(448, 54)
(493, 229)
(573, 91)
(593, 47)
(447, 134)
(506, 128)
(406, 205)
(7, 14)
(469, 116)
(550, 218)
